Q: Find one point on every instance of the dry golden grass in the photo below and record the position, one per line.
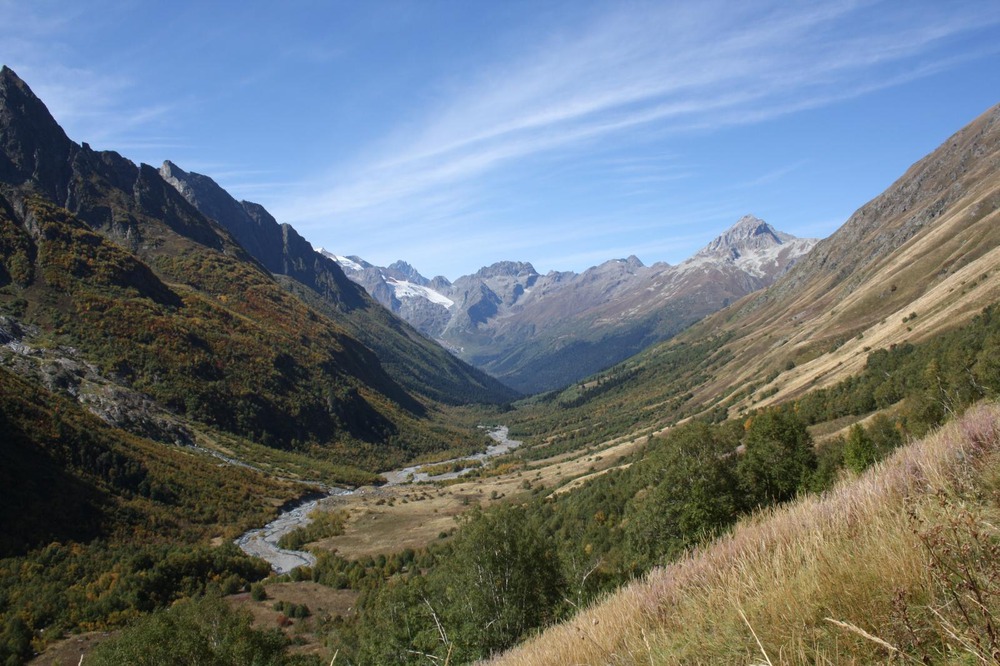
(379, 521)
(831, 579)
(955, 298)
(946, 271)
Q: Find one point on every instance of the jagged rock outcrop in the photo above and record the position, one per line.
(33, 148)
(157, 318)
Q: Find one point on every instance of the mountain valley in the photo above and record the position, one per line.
(178, 368)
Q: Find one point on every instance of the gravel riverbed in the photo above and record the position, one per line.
(263, 542)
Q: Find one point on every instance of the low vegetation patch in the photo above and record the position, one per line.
(324, 524)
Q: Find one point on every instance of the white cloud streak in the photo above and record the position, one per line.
(559, 99)
(91, 105)
(659, 68)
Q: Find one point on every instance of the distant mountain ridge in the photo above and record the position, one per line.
(917, 261)
(538, 332)
(911, 278)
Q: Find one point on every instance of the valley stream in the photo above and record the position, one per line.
(263, 542)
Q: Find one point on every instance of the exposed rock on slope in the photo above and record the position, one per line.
(106, 257)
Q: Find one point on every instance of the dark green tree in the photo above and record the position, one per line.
(15, 642)
(829, 462)
(867, 445)
(779, 457)
(402, 625)
(693, 495)
(859, 451)
(502, 580)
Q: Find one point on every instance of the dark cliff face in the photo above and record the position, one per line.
(33, 148)
(129, 274)
(126, 202)
(207, 197)
(278, 247)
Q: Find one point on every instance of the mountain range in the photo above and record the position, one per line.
(921, 259)
(175, 365)
(893, 318)
(543, 332)
(410, 357)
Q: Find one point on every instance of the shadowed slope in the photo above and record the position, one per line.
(419, 364)
(106, 256)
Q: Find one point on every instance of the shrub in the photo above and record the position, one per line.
(205, 630)
(779, 457)
(258, 592)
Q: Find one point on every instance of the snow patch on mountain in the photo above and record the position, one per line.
(765, 262)
(345, 262)
(753, 246)
(527, 328)
(404, 289)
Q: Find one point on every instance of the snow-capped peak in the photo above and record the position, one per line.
(753, 245)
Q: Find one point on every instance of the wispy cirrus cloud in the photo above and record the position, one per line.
(560, 123)
(635, 72)
(90, 104)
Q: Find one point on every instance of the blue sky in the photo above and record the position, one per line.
(456, 134)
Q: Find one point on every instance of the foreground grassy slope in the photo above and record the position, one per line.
(900, 563)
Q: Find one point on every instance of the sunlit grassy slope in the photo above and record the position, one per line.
(901, 565)
(918, 260)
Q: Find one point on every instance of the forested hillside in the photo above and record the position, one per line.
(681, 491)
(164, 302)
(160, 391)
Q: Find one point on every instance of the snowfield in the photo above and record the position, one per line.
(404, 289)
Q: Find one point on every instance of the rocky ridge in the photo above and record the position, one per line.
(415, 361)
(155, 316)
(539, 332)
